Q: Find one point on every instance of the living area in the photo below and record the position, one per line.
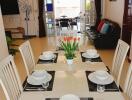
(103, 36)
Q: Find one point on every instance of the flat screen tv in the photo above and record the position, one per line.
(9, 7)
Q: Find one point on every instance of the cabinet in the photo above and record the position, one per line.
(127, 25)
(16, 32)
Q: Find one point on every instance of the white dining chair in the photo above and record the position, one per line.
(4, 90)
(128, 83)
(118, 60)
(28, 57)
(10, 79)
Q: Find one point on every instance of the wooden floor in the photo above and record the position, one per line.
(49, 43)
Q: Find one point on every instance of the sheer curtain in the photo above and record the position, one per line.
(88, 13)
(92, 12)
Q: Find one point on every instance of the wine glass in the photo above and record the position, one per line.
(45, 85)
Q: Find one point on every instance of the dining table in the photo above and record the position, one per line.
(71, 79)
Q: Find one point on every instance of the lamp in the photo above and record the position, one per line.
(26, 8)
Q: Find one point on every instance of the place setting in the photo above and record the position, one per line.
(70, 97)
(39, 80)
(48, 57)
(90, 55)
(101, 81)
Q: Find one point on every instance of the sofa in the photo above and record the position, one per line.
(105, 35)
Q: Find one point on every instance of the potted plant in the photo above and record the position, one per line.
(70, 45)
(10, 44)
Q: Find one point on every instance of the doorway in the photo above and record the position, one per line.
(69, 8)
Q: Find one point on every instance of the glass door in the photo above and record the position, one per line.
(49, 17)
(87, 14)
(82, 15)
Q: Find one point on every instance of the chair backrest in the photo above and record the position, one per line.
(73, 21)
(10, 78)
(118, 60)
(27, 55)
(128, 83)
(64, 22)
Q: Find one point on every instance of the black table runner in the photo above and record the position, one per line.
(48, 61)
(98, 59)
(108, 88)
(29, 87)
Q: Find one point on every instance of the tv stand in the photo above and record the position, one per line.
(16, 32)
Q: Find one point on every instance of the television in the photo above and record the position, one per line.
(9, 7)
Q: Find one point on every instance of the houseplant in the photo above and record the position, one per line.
(70, 45)
(9, 40)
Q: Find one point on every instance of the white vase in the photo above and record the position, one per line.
(69, 61)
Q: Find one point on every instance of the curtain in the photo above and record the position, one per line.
(98, 11)
(92, 13)
(42, 30)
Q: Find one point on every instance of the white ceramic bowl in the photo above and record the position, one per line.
(48, 53)
(39, 80)
(102, 75)
(69, 97)
(91, 52)
(39, 73)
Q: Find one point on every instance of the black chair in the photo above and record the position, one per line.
(73, 22)
(64, 22)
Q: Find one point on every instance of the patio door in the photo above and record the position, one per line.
(49, 17)
(87, 14)
(82, 15)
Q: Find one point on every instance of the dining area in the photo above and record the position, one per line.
(54, 77)
(66, 22)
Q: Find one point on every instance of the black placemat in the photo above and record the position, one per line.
(93, 87)
(48, 61)
(29, 87)
(89, 98)
(98, 59)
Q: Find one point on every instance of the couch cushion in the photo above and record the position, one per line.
(105, 28)
(100, 25)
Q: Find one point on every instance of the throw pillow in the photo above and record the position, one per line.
(100, 25)
(104, 28)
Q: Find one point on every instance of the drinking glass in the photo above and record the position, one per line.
(100, 88)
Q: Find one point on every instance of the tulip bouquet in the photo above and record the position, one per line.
(70, 45)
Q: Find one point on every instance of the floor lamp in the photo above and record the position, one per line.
(26, 8)
(27, 13)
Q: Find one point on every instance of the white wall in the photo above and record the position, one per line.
(3, 45)
(13, 21)
(114, 10)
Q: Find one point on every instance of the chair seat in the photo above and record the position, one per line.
(73, 23)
